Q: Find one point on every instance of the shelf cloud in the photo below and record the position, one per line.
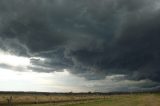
(92, 39)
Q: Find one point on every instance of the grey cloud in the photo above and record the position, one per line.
(54, 59)
(90, 38)
(14, 46)
(15, 68)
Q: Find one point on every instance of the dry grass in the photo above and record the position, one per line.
(84, 100)
(36, 99)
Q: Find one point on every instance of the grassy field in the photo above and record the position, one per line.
(129, 100)
(84, 100)
(24, 98)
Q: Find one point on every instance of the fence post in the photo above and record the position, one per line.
(50, 99)
(36, 100)
(9, 100)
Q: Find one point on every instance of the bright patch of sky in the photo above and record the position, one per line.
(9, 59)
(58, 82)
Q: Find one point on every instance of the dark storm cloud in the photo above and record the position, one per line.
(13, 46)
(54, 61)
(90, 38)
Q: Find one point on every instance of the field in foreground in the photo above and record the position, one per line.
(143, 99)
(130, 100)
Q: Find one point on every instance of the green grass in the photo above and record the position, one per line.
(131, 100)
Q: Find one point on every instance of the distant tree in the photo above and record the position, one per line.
(89, 92)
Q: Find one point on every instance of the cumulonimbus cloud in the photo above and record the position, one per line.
(90, 38)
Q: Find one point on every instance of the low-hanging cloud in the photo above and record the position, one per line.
(89, 38)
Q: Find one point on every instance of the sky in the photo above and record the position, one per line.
(79, 45)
